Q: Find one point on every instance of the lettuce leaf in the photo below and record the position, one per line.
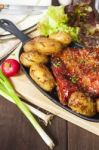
(56, 20)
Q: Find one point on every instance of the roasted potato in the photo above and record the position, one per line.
(43, 45)
(97, 104)
(82, 104)
(29, 46)
(42, 76)
(27, 58)
(62, 37)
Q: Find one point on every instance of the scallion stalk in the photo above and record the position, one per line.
(6, 87)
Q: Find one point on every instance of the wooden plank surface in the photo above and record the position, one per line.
(16, 133)
(79, 139)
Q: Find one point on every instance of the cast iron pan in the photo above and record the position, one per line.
(10, 27)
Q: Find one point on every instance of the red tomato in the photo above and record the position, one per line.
(10, 67)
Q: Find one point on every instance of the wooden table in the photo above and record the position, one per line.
(16, 133)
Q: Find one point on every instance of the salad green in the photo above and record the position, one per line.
(56, 20)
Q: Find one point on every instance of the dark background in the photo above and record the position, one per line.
(16, 133)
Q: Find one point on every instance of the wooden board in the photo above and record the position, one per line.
(25, 88)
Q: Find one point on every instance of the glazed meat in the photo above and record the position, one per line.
(64, 87)
(82, 68)
(77, 76)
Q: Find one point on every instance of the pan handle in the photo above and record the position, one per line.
(10, 27)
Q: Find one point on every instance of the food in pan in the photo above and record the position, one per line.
(27, 58)
(35, 55)
(73, 72)
(43, 45)
(77, 71)
(76, 75)
(83, 66)
(82, 104)
(62, 37)
(64, 87)
(42, 76)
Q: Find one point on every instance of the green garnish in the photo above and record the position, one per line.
(57, 63)
(56, 20)
(74, 79)
(7, 90)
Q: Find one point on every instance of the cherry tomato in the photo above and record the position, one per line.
(10, 67)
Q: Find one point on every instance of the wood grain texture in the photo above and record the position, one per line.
(79, 139)
(16, 133)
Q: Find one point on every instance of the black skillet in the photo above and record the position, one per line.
(10, 27)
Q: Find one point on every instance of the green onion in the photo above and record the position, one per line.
(7, 89)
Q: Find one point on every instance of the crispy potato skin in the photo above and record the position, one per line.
(62, 37)
(27, 58)
(82, 104)
(42, 76)
(28, 46)
(43, 45)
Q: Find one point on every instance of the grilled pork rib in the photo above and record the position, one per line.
(82, 65)
(64, 87)
(82, 68)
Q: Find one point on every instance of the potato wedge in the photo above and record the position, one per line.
(42, 76)
(62, 37)
(43, 45)
(82, 104)
(28, 58)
